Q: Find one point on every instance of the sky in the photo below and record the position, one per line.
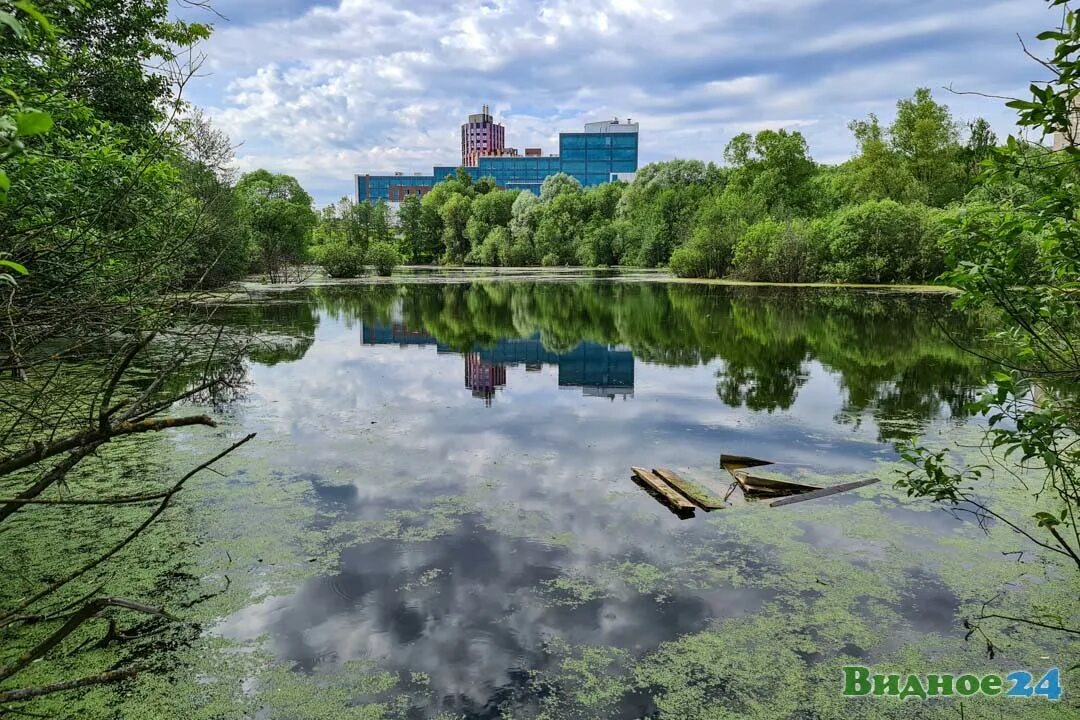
(324, 91)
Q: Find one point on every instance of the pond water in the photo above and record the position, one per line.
(438, 520)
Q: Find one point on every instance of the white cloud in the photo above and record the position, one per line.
(368, 86)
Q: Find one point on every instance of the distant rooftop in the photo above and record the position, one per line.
(612, 126)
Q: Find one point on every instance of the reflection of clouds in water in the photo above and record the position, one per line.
(418, 400)
(471, 608)
(471, 625)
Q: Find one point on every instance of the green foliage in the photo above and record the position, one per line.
(774, 165)
(495, 250)
(279, 213)
(774, 251)
(339, 259)
(706, 255)
(557, 184)
(881, 241)
(809, 222)
(454, 214)
(384, 257)
(1016, 259)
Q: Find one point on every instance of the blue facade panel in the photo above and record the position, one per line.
(373, 188)
(592, 158)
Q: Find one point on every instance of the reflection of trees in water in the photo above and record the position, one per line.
(284, 330)
(891, 352)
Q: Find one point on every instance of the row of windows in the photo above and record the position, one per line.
(599, 166)
(605, 155)
(597, 140)
(520, 163)
(385, 180)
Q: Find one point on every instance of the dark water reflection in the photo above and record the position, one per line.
(540, 396)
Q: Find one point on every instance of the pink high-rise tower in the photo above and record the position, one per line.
(481, 136)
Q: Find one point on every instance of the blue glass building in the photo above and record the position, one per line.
(604, 152)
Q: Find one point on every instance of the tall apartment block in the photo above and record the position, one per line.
(603, 152)
(481, 135)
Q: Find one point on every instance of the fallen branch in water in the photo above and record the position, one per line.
(100, 679)
(6, 618)
(88, 612)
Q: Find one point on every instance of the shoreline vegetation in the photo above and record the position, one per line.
(407, 273)
(770, 213)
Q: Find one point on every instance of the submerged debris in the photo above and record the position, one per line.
(823, 492)
(683, 497)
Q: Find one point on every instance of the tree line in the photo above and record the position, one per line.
(770, 213)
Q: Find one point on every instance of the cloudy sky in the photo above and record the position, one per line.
(326, 90)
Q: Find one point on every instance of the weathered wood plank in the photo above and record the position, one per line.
(696, 495)
(662, 489)
(823, 492)
(757, 483)
(736, 462)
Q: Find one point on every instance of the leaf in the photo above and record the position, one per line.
(14, 266)
(39, 17)
(1046, 520)
(33, 122)
(8, 19)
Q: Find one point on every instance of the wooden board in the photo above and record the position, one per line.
(757, 483)
(823, 492)
(662, 489)
(736, 462)
(702, 501)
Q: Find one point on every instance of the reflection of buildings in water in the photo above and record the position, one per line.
(483, 377)
(599, 370)
(395, 334)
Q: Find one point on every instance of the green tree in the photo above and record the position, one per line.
(881, 242)
(410, 220)
(524, 214)
(488, 212)
(454, 214)
(278, 212)
(926, 136)
(384, 257)
(557, 184)
(878, 172)
(495, 250)
(774, 165)
(561, 223)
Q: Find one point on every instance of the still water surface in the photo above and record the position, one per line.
(470, 444)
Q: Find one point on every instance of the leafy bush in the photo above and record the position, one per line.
(494, 251)
(880, 241)
(339, 260)
(598, 246)
(384, 257)
(772, 251)
(705, 255)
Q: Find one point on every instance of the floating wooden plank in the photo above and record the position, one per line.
(737, 462)
(823, 492)
(662, 489)
(677, 512)
(769, 485)
(698, 496)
